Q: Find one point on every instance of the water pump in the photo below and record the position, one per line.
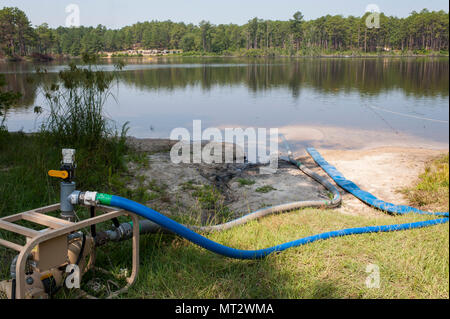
(50, 257)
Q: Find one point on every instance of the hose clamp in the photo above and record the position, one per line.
(74, 198)
(90, 199)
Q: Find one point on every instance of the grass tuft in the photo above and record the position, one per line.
(245, 182)
(432, 188)
(265, 189)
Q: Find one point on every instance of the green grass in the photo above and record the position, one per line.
(245, 182)
(189, 186)
(413, 264)
(431, 191)
(208, 196)
(212, 200)
(310, 52)
(265, 189)
(24, 183)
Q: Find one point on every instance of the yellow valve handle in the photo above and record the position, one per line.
(59, 174)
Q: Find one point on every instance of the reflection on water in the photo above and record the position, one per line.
(157, 95)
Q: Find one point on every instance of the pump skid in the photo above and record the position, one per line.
(49, 249)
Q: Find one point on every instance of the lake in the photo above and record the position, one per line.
(323, 102)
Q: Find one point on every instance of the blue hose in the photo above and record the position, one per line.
(364, 196)
(208, 244)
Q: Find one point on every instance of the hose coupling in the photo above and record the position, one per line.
(90, 199)
(125, 231)
(74, 197)
(121, 233)
(83, 198)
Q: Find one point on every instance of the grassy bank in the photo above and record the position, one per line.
(314, 52)
(431, 191)
(413, 264)
(307, 52)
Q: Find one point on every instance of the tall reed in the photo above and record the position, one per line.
(75, 104)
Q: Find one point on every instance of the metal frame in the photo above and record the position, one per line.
(56, 228)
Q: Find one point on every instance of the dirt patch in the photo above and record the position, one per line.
(202, 191)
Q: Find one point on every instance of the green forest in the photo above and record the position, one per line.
(419, 33)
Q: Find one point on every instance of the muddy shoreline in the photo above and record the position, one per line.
(201, 192)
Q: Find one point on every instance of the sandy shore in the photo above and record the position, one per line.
(381, 170)
(342, 138)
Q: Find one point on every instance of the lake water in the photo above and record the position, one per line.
(323, 102)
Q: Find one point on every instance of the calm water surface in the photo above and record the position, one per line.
(391, 96)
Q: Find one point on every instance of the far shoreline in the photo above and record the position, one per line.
(146, 57)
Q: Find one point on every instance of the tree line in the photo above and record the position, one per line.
(419, 32)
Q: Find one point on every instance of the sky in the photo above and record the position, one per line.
(119, 13)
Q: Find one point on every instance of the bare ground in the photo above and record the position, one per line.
(382, 171)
